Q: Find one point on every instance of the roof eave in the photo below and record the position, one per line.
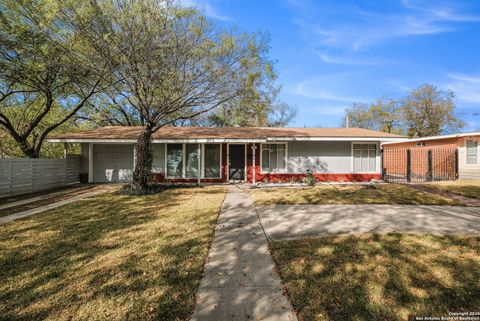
(221, 140)
(439, 137)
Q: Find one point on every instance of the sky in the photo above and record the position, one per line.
(331, 53)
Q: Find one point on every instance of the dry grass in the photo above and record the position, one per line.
(51, 198)
(109, 257)
(464, 187)
(349, 194)
(380, 276)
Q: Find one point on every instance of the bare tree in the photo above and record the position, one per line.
(171, 62)
(282, 114)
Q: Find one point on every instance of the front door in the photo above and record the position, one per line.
(236, 162)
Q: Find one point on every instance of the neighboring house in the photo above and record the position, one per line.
(226, 154)
(467, 144)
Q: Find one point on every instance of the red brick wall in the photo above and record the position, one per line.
(443, 161)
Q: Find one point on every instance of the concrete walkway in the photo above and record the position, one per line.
(33, 211)
(297, 221)
(239, 282)
(41, 197)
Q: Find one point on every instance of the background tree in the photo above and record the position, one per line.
(360, 116)
(256, 94)
(171, 64)
(47, 73)
(428, 111)
(281, 114)
(382, 115)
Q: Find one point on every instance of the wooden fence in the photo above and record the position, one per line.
(423, 164)
(27, 175)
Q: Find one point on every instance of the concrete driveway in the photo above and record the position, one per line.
(297, 221)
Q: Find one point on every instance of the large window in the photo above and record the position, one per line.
(273, 158)
(192, 160)
(174, 160)
(182, 160)
(212, 162)
(364, 158)
(472, 152)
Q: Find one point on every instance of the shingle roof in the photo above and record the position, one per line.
(251, 133)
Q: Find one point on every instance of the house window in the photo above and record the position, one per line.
(420, 144)
(472, 152)
(364, 158)
(273, 158)
(175, 160)
(182, 160)
(212, 161)
(191, 165)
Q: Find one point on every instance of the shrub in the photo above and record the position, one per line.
(310, 179)
(152, 188)
(293, 180)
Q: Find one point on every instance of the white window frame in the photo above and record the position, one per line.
(202, 162)
(202, 170)
(261, 159)
(166, 161)
(466, 152)
(377, 158)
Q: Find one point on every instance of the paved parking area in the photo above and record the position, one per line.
(297, 221)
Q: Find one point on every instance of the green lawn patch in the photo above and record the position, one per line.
(380, 276)
(464, 187)
(109, 257)
(349, 194)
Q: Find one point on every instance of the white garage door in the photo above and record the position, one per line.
(112, 163)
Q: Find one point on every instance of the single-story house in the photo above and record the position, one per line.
(234, 154)
(466, 143)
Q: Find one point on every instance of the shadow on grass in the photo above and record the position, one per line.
(357, 194)
(109, 257)
(380, 276)
(465, 190)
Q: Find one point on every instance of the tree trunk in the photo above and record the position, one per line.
(143, 156)
(28, 151)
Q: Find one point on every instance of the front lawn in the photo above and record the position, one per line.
(464, 187)
(380, 276)
(109, 257)
(49, 198)
(349, 194)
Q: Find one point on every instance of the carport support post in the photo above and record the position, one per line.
(134, 156)
(65, 150)
(90, 163)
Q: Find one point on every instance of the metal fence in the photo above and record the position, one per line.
(28, 175)
(422, 164)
